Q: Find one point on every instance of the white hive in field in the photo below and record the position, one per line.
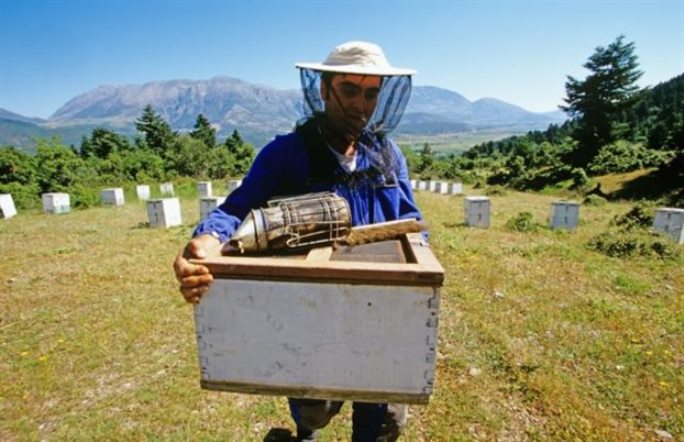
(670, 221)
(477, 211)
(564, 215)
(56, 202)
(143, 191)
(164, 212)
(166, 189)
(112, 196)
(209, 203)
(7, 209)
(455, 189)
(441, 187)
(204, 189)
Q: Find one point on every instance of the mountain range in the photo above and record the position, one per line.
(258, 112)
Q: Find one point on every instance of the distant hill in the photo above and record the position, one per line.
(7, 115)
(257, 112)
(23, 134)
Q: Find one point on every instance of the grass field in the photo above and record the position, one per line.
(540, 338)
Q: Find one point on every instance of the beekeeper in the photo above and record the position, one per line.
(353, 100)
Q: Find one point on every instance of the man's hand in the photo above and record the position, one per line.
(195, 279)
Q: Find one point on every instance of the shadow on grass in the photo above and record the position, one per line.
(665, 184)
(279, 435)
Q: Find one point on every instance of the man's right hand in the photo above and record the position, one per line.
(194, 279)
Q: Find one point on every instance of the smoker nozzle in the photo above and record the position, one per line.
(250, 236)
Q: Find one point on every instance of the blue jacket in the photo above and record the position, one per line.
(285, 167)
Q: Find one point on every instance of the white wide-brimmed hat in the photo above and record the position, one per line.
(357, 57)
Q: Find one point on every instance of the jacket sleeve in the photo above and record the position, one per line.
(407, 205)
(269, 176)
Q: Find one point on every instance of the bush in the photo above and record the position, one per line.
(82, 197)
(579, 178)
(594, 200)
(621, 244)
(624, 156)
(639, 217)
(496, 191)
(523, 222)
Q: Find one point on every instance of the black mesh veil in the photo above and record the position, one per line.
(392, 101)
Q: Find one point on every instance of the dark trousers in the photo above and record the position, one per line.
(370, 422)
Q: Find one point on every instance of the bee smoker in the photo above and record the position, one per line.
(305, 221)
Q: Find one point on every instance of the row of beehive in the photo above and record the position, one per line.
(58, 202)
(443, 187)
(165, 212)
(565, 215)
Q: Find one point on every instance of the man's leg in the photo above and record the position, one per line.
(311, 415)
(378, 422)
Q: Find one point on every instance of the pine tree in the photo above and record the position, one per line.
(599, 100)
(426, 159)
(242, 153)
(158, 134)
(103, 142)
(204, 132)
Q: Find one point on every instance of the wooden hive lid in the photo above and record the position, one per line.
(406, 261)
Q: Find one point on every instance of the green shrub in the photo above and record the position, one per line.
(496, 191)
(638, 217)
(579, 177)
(82, 197)
(594, 200)
(623, 244)
(523, 222)
(625, 156)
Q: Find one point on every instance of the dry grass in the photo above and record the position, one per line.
(616, 182)
(540, 339)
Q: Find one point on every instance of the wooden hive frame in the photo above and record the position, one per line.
(255, 336)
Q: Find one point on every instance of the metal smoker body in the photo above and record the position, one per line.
(294, 223)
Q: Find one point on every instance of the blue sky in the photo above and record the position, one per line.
(517, 51)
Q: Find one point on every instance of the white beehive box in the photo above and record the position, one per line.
(455, 189)
(564, 215)
(56, 202)
(166, 189)
(7, 208)
(113, 196)
(209, 203)
(164, 212)
(233, 184)
(422, 185)
(414, 184)
(432, 186)
(441, 187)
(331, 324)
(142, 191)
(204, 189)
(477, 210)
(670, 221)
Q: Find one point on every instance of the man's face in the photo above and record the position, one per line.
(350, 101)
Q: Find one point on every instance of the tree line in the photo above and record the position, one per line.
(614, 127)
(106, 158)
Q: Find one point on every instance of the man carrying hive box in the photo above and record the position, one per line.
(353, 100)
